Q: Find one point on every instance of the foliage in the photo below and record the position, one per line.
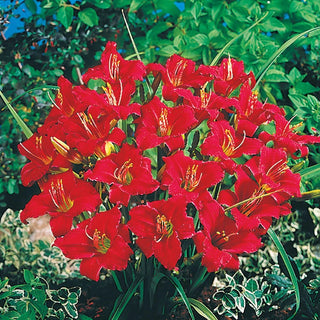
(18, 252)
(34, 300)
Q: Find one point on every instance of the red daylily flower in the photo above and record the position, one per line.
(272, 173)
(180, 73)
(44, 159)
(114, 68)
(189, 178)
(66, 100)
(128, 173)
(228, 76)
(251, 113)
(286, 138)
(116, 98)
(221, 241)
(63, 197)
(98, 242)
(224, 144)
(256, 208)
(93, 132)
(160, 225)
(161, 124)
(207, 105)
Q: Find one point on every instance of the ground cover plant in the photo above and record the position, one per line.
(157, 205)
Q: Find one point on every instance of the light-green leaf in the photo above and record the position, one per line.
(203, 310)
(89, 17)
(65, 15)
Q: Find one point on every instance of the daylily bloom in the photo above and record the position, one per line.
(114, 68)
(251, 206)
(228, 76)
(128, 173)
(98, 242)
(93, 132)
(44, 159)
(66, 100)
(207, 105)
(189, 178)
(251, 113)
(224, 144)
(221, 241)
(160, 225)
(63, 197)
(286, 138)
(180, 73)
(161, 124)
(272, 173)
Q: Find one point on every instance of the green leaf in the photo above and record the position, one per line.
(89, 17)
(196, 10)
(124, 300)
(202, 309)
(71, 310)
(289, 267)
(251, 298)
(12, 186)
(180, 290)
(136, 4)
(167, 51)
(65, 15)
(252, 285)
(273, 24)
(28, 276)
(31, 5)
(153, 286)
(201, 39)
(276, 75)
(310, 172)
(228, 301)
(3, 283)
(240, 303)
(38, 302)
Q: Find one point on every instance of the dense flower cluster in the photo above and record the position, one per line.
(121, 170)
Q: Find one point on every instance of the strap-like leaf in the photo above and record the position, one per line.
(286, 45)
(203, 310)
(310, 172)
(25, 129)
(176, 283)
(289, 267)
(122, 303)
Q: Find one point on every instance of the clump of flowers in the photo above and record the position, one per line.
(158, 158)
